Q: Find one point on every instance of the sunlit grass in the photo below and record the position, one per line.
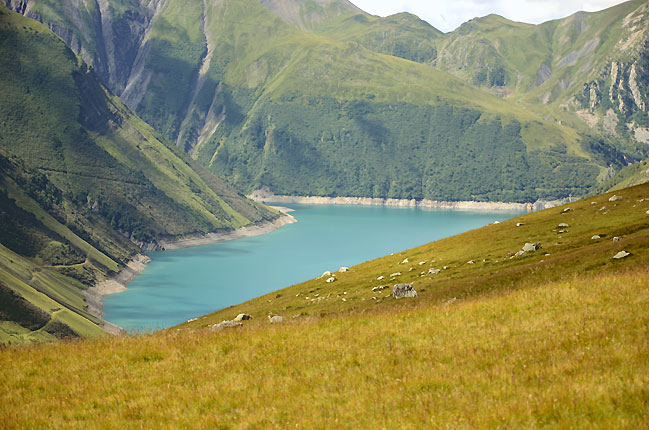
(569, 354)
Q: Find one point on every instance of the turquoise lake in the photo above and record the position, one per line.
(187, 283)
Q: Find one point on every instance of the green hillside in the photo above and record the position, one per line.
(85, 184)
(301, 97)
(554, 338)
(588, 71)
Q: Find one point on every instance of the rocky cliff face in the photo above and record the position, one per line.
(108, 35)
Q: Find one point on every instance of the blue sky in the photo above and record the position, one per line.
(447, 15)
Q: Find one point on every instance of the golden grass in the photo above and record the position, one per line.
(558, 355)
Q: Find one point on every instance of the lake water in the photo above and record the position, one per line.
(187, 283)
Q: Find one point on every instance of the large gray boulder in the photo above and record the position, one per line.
(531, 247)
(403, 290)
(615, 198)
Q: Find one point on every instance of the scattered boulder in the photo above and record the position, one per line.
(394, 275)
(226, 324)
(531, 247)
(596, 237)
(647, 212)
(615, 198)
(276, 319)
(622, 254)
(405, 261)
(566, 210)
(433, 271)
(520, 224)
(519, 253)
(380, 288)
(330, 280)
(380, 278)
(421, 263)
(325, 274)
(470, 262)
(344, 269)
(243, 317)
(403, 290)
(617, 239)
(564, 225)
(445, 267)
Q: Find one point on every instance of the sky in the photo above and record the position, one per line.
(447, 15)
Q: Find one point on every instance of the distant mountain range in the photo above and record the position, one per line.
(321, 98)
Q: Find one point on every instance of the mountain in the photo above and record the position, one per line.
(85, 184)
(552, 338)
(292, 95)
(588, 71)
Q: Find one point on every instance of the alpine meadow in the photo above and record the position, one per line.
(132, 127)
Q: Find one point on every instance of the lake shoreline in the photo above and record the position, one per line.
(94, 295)
(267, 196)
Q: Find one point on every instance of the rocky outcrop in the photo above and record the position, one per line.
(635, 89)
(403, 290)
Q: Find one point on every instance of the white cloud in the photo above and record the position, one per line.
(447, 15)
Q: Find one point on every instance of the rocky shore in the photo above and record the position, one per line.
(94, 295)
(249, 231)
(265, 195)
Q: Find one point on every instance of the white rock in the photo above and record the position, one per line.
(434, 271)
(243, 317)
(380, 278)
(275, 319)
(405, 261)
(470, 262)
(394, 275)
(615, 198)
(225, 324)
(597, 236)
(519, 224)
(564, 225)
(330, 280)
(325, 274)
(344, 269)
(621, 254)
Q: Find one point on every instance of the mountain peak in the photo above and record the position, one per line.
(310, 14)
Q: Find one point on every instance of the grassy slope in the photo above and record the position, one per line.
(555, 341)
(113, 152)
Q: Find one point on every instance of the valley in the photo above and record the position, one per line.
(132, 128)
